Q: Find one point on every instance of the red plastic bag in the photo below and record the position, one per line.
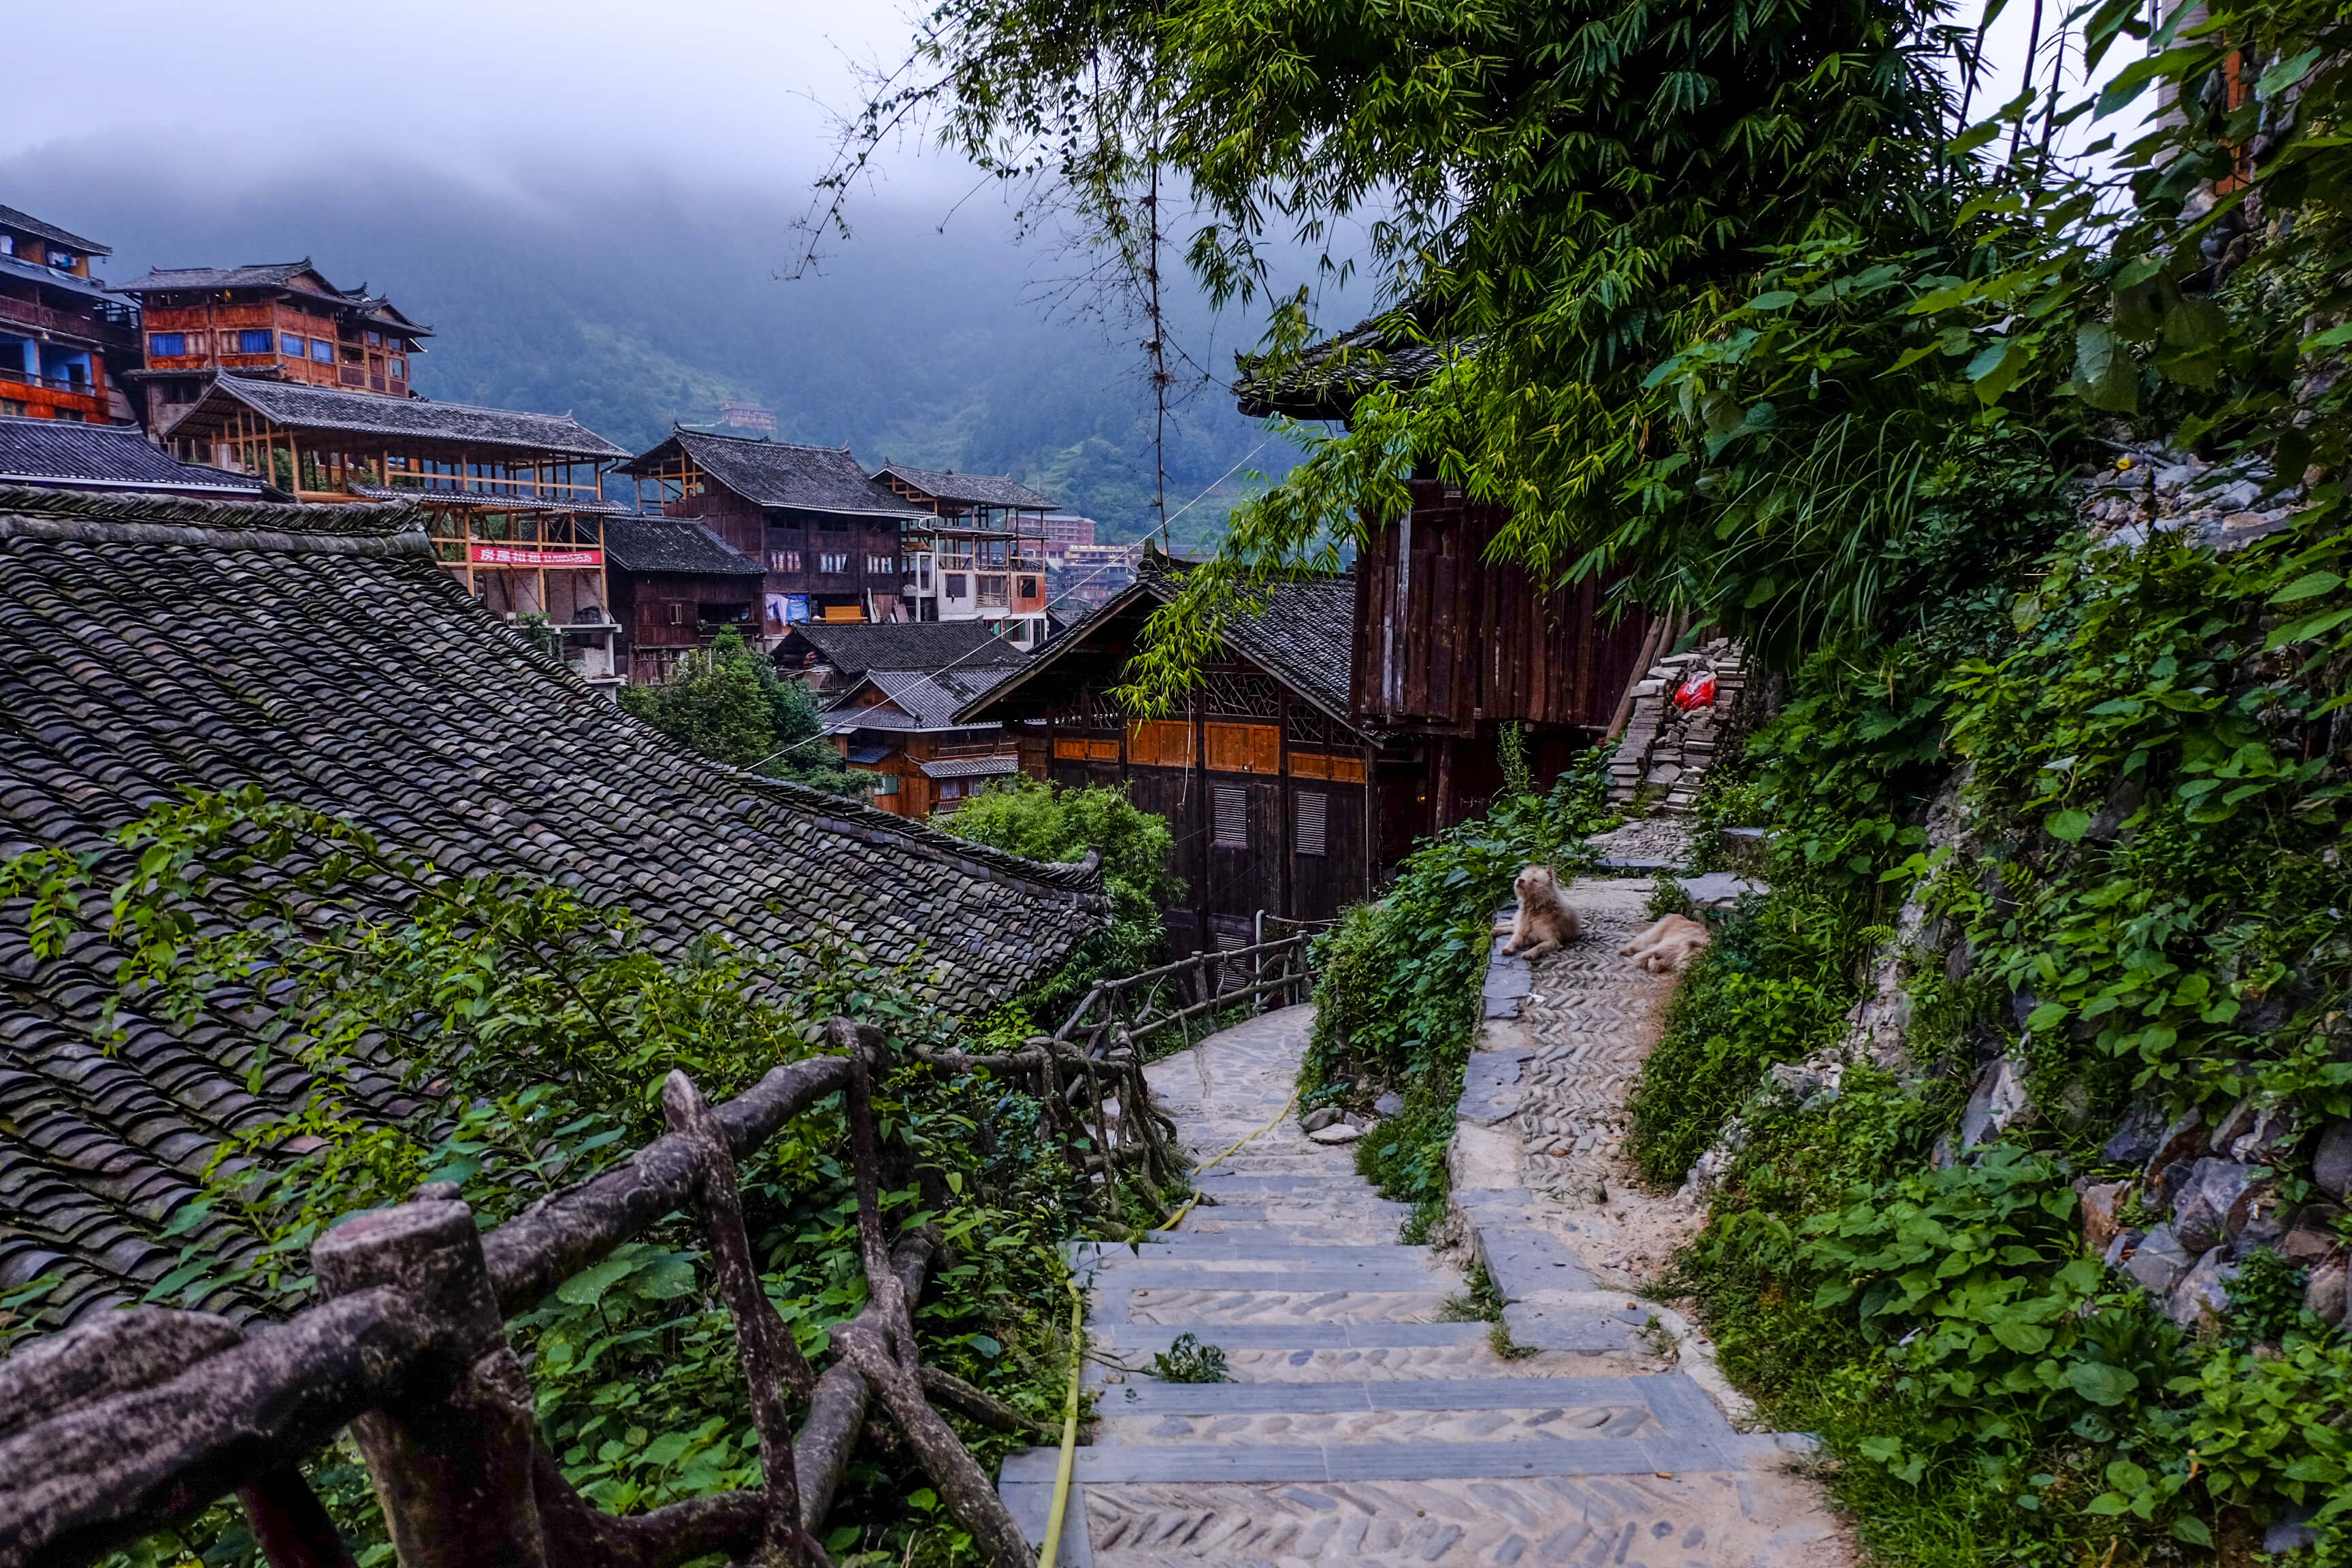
(1699, 691)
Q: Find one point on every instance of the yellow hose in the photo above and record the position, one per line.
(1069, 1427)
(1062, 1472)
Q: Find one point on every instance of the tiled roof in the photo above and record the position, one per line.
(776, 473)
(1324, 382)
(929, 698)
(320, 652)
(1304, 636)
(51, 278)
(26, 222)
(485, 500)
(973, 490)
(105, 457)
(673, 544)
(259, 274)
(276, 275)
(970, 767)
(302, 407)
(854, 647)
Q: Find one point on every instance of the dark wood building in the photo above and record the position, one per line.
(831, 657)
(1262, 778)
(674, 586)
(1450, 646)
(516, 498)
(980, 556)
(278, 321)
(902, 726)
(825, 531)
(65, 342)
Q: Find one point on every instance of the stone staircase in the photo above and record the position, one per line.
(1360, 1426)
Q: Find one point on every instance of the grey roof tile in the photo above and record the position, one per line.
(970, 489)
(157, 643)
(106, 456)
(301, 407)
(12, 218)
(779, 474)
(673, 544)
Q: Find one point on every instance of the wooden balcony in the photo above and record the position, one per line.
(106, 327)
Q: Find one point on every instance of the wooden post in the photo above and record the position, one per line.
(290, 1523)
(771, 1355)
(451, 1453)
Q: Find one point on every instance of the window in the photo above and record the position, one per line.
(783, 559)
(70, 415)
(167, 345)
(11, 407)
(287, 343)
(353, 356)
(832, 563)
(61, 260)
(375, 340)
(958, 585)
(1313, 811)
(1028, 587)
(1231, 830)
(886, 784)
(322, 351)
(8, 244)
(254, 340)
(400, 370)
(882, 565)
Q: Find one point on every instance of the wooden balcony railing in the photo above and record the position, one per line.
(51, 382)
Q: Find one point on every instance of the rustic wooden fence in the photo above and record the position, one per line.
(140, 1420)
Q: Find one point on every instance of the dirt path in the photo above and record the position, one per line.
(1362, 1427)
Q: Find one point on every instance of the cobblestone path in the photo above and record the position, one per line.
(1362, 1427)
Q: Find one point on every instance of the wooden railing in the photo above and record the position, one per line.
(137, 1421)
(1211, 985)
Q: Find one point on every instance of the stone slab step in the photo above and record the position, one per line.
(1307, 1274)
(1423, 1461)
(1672, 1396)
(1523, 1261)
(1208, 1309)
(1181, 1244)
(1519, 1423)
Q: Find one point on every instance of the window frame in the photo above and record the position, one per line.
(155, 342)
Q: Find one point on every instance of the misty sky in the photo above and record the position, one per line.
(529, 95)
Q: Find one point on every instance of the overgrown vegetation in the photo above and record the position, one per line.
(1058, 821)
(1398, 981)
(727, 702)
(1840, 414)
(533, 1031)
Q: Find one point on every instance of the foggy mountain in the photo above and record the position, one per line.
(634, 307)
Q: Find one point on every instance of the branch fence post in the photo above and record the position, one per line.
(451, 1455)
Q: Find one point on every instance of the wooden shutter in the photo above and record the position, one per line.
(1313, 808)
(1232, 812)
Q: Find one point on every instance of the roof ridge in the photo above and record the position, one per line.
(303, 387)
(362, 528)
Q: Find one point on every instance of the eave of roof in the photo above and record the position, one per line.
(12, 218)
(975, 490)
(755, 470)
(50, 277)
(300, 406)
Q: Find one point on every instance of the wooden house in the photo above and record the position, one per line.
(980, 555)
(902, 727)
(674, 585)
(65, 342)
(824, 530)
(1268, 784)
(515, 500)
(831, 657)
(278, 321)
(1450, 644)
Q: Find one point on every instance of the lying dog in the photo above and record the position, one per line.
(1668, 946)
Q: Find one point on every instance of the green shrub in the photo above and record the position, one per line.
(1058, 821)
(727, 702)
(1397, 990)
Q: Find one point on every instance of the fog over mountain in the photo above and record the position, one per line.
(636, 303)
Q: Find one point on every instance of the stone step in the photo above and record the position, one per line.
(1188, 1244)
(1412, 1461)
(1697, 1520)
(1522, 1423)
(1211, 1307)
(1671, 1396)
(1392, 1348)
(1299, 1273)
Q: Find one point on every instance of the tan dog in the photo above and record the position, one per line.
(1668, 946)
(1545, 922)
